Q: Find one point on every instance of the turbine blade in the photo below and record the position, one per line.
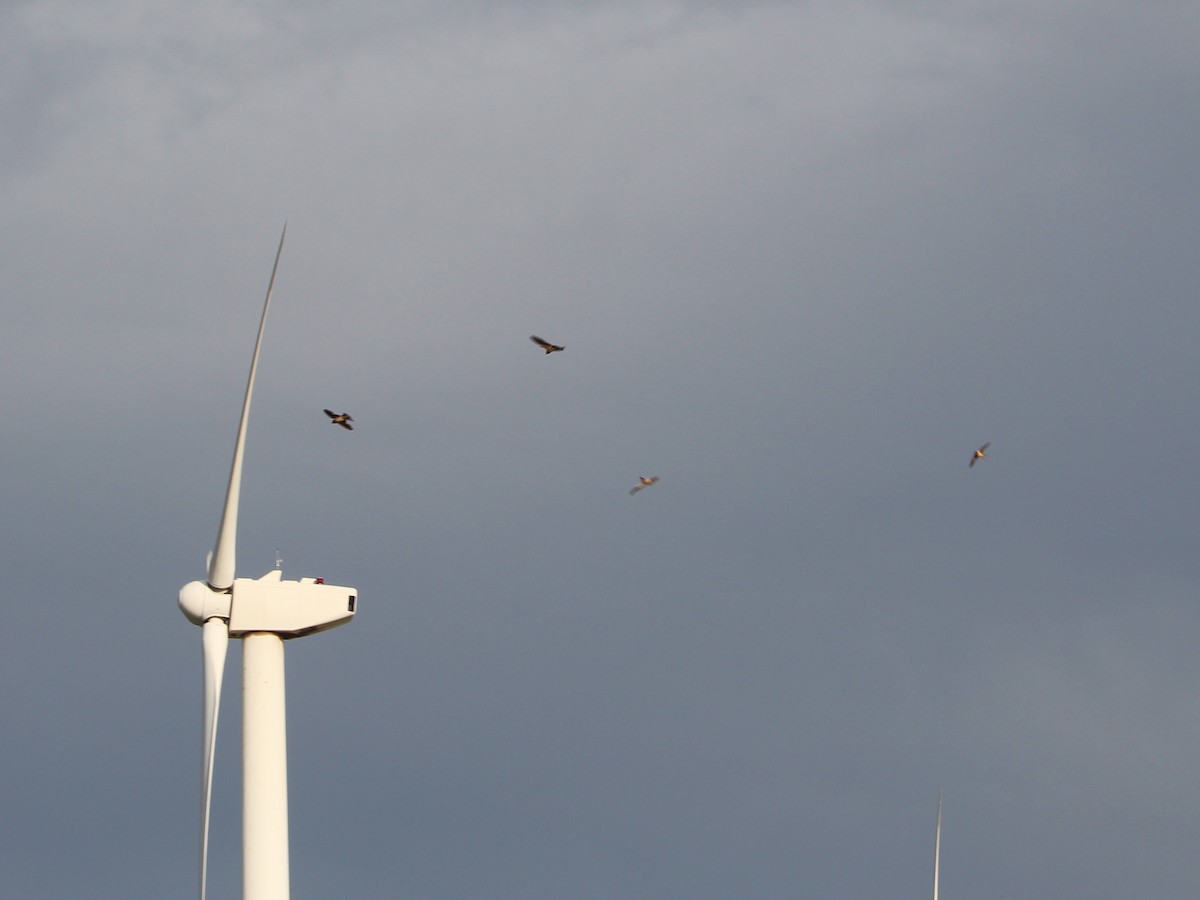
(215, 642)
(937, 847)
(221, 565)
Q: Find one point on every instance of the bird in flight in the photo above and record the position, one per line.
(979, 454)
(643, 482)
(545, 345)
(342, 419)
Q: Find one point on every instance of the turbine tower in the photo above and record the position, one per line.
(263, 612)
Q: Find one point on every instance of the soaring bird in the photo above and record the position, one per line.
(342, 419)
(545, 345)
(979, 454)
(643, 483)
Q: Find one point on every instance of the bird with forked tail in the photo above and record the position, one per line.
(342, 419)
(546, 345)
(643, 482)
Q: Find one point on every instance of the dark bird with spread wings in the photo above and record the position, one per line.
(342, 419)
(643, 482)
(545, 345)
(979, 454)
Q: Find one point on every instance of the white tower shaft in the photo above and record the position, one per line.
(265, 874)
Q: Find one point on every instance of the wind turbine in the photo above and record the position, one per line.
(937, 847)
(263, 612)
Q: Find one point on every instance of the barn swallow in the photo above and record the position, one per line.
(645, 482)
(979, 454)
(545, 345)
(342, 419)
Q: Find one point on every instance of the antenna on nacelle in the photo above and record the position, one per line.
(278, 559)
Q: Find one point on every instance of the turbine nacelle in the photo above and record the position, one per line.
(289, 608)
(270, 604)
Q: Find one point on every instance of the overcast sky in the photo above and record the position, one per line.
(804, 257)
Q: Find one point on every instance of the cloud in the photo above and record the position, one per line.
(803, 257)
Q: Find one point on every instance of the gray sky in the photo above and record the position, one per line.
(804, 258)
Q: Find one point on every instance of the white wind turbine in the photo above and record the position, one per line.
(263, 612)
(937, 847)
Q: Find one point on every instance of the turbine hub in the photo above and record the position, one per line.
(200, 603)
